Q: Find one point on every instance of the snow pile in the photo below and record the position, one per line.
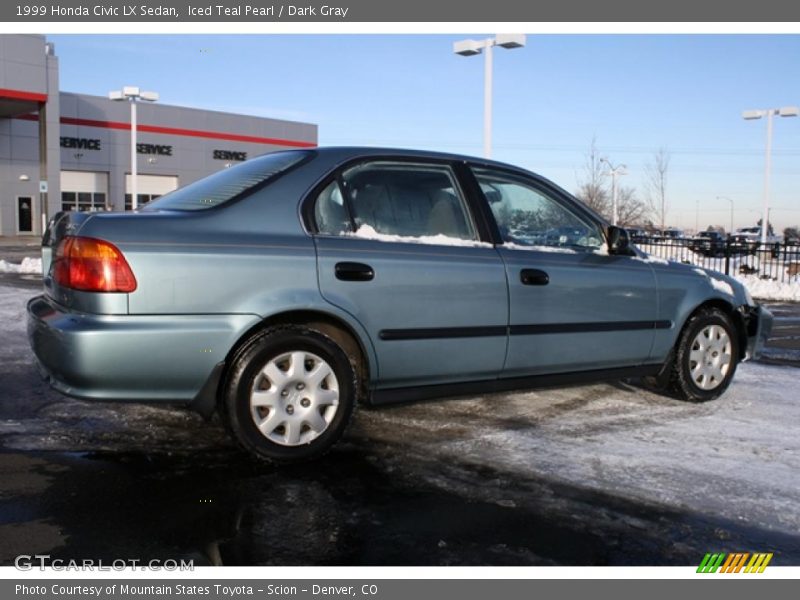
(367, 232)
(28, 265)
(769, 289)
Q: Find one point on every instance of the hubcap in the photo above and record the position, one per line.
(710, 357)
(294, 398)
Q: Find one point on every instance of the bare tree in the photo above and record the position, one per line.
(630, 209)
(656, 176)
(591, 189)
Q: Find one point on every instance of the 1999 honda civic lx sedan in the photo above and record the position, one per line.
(283, 291)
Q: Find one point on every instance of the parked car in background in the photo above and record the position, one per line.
(284, 290)
(672, 234)
(637, 234)
(708, 243)
(747, 240)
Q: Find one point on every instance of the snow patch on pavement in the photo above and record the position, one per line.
(736, 457)
(27, 266)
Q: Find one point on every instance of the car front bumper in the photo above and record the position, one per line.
(125, 357)
(758, 326)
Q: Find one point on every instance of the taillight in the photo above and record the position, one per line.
(92, 265)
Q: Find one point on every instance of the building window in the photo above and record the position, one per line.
(142, 200)
(69, 201)
(83, 201)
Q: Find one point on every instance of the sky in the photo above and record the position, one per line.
(633, 94)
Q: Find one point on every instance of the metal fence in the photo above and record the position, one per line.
(773, 261)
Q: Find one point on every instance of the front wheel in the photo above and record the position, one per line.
(290, 394)
(706, 356)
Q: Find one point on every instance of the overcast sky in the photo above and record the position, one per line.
(634, 93)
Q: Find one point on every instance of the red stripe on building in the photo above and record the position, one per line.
(212, 135)
(7, 94)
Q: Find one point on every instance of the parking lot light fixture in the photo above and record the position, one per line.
(614, 172)
(750, 115)
(133, 94)
(471, 48)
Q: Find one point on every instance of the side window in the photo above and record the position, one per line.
(528, 216)
(394, 201)
(330, 213)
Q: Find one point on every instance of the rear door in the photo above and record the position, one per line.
(573, 307)
(399, 250)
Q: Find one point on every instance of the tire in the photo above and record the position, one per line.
(289, 395)
(705, 357)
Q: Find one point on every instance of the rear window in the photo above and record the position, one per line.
(219, 188)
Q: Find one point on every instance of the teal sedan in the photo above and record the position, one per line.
(283, 291)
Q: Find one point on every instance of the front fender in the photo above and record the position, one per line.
(682, 290)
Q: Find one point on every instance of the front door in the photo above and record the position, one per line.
(397, 248)
(573, 307)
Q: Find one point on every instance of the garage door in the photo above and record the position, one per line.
(149, 187)
(84, 190)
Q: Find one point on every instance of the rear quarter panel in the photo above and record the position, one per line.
(252, 257)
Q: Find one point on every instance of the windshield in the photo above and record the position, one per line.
(227, 184)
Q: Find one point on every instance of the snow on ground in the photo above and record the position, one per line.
(768, 289)
(27, 266)
(736, 458)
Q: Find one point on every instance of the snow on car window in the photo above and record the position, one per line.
(368, 233)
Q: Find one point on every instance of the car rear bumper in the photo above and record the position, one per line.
(124, 357)
(758, 325)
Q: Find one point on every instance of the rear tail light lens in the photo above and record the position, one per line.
(92, 265)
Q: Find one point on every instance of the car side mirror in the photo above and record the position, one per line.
(618, 241)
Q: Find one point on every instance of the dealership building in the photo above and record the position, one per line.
(67, 151)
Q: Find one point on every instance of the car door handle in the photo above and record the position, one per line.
(533, 277)
(353, 271)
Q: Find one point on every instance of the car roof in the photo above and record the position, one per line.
(348, 152)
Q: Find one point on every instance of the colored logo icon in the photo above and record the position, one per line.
(735, 562)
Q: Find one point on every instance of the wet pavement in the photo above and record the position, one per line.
(784, 343)
(607, 474)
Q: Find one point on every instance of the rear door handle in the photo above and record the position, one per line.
(353, 271)
(533, 277)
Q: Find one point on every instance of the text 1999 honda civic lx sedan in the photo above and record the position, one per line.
(286, 289)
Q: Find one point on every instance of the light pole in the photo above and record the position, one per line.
(133, 94)
(614, 172)
(786, 111)
(697, 216)
(473, 47)
(730, 231)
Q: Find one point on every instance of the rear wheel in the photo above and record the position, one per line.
(290, 394)
(706, 356)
